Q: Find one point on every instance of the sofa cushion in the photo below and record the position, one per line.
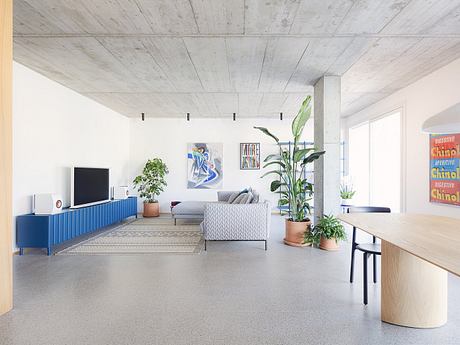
(189, 207)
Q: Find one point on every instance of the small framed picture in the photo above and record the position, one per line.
(249, 156)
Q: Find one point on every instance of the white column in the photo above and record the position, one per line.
(327, 137)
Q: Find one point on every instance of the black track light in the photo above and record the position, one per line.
(143, 116)
(188, 116)
(281, 116)
(234, 116)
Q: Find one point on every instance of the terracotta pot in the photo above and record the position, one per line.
(328, 244)
(151, 209)
(295, 233)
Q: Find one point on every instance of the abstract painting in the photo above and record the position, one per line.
(205, 165)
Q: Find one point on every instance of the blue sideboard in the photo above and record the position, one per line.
(47, 231)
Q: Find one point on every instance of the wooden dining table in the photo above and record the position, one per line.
(417, 252)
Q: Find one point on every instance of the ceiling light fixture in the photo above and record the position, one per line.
(446, 122)
(188, 116)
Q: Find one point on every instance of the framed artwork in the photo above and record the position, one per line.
(249, 156)
(205, 165)
(445, 169)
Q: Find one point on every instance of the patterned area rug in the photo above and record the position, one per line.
(143, 236)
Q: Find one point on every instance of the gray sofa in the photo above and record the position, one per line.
(228, 222)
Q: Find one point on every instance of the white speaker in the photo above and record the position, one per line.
(47, 203)
(120, 193)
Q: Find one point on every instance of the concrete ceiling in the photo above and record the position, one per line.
(215, 57)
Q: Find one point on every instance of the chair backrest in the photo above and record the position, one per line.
(366, 209)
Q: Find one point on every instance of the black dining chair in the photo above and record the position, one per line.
(368, 249)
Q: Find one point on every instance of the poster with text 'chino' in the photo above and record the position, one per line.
(445, 169)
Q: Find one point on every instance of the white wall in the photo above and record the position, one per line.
(55, 128)
(167, 139)
(418, 101)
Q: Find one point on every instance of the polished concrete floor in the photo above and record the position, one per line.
(236, 293)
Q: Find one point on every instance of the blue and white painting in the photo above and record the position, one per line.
(205, 165)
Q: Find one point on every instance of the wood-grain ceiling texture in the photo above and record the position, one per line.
(215, 57)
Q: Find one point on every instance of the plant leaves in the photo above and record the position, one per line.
(275, 185)
(272, 172)
(275, 162)
(300, 154)
(272, 157)
(312, 157)
(267, 132)
(298, 124)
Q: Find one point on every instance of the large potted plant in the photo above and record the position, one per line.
(150, 184)
(327, 233)
(295, 190)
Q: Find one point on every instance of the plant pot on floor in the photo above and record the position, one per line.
(151, 209)
(328, 244)
(295, 233)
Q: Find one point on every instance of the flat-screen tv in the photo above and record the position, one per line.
(89, 186)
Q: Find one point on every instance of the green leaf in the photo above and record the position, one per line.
(272, 172)
(275, 162)
(283, 201)
(300, 154)
(312, 157)
(267, 132)
(301, 119)
(275, 185)
(272, 157)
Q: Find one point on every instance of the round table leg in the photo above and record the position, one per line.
(414, 292)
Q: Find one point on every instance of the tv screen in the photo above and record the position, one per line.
(89, 186)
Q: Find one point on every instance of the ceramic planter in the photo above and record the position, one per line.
(295, 233)
(347, 202)
(151, 209)
(328, 244)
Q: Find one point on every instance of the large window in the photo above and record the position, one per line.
(375, 162)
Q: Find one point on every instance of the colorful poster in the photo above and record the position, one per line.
(205, 167)
(445, 169)
(249, 156)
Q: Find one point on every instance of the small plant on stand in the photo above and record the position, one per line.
(327, 233)
(346, 191)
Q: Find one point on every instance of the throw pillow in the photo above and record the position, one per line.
(232, 197)
(249, 198)
(255, 197)
(239, 198)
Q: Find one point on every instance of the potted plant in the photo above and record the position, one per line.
(150, 184)
(346, 191)
(294, 189)
(327, 233)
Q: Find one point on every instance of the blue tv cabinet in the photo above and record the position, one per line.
(47, 231)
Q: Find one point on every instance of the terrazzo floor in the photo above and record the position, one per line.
(235, 293)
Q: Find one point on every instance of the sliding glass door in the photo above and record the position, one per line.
(375, 161)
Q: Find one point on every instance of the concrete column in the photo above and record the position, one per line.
(327, 137)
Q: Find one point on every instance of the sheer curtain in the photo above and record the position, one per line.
(375, 162)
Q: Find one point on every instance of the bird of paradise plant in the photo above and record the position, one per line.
(295, 190)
